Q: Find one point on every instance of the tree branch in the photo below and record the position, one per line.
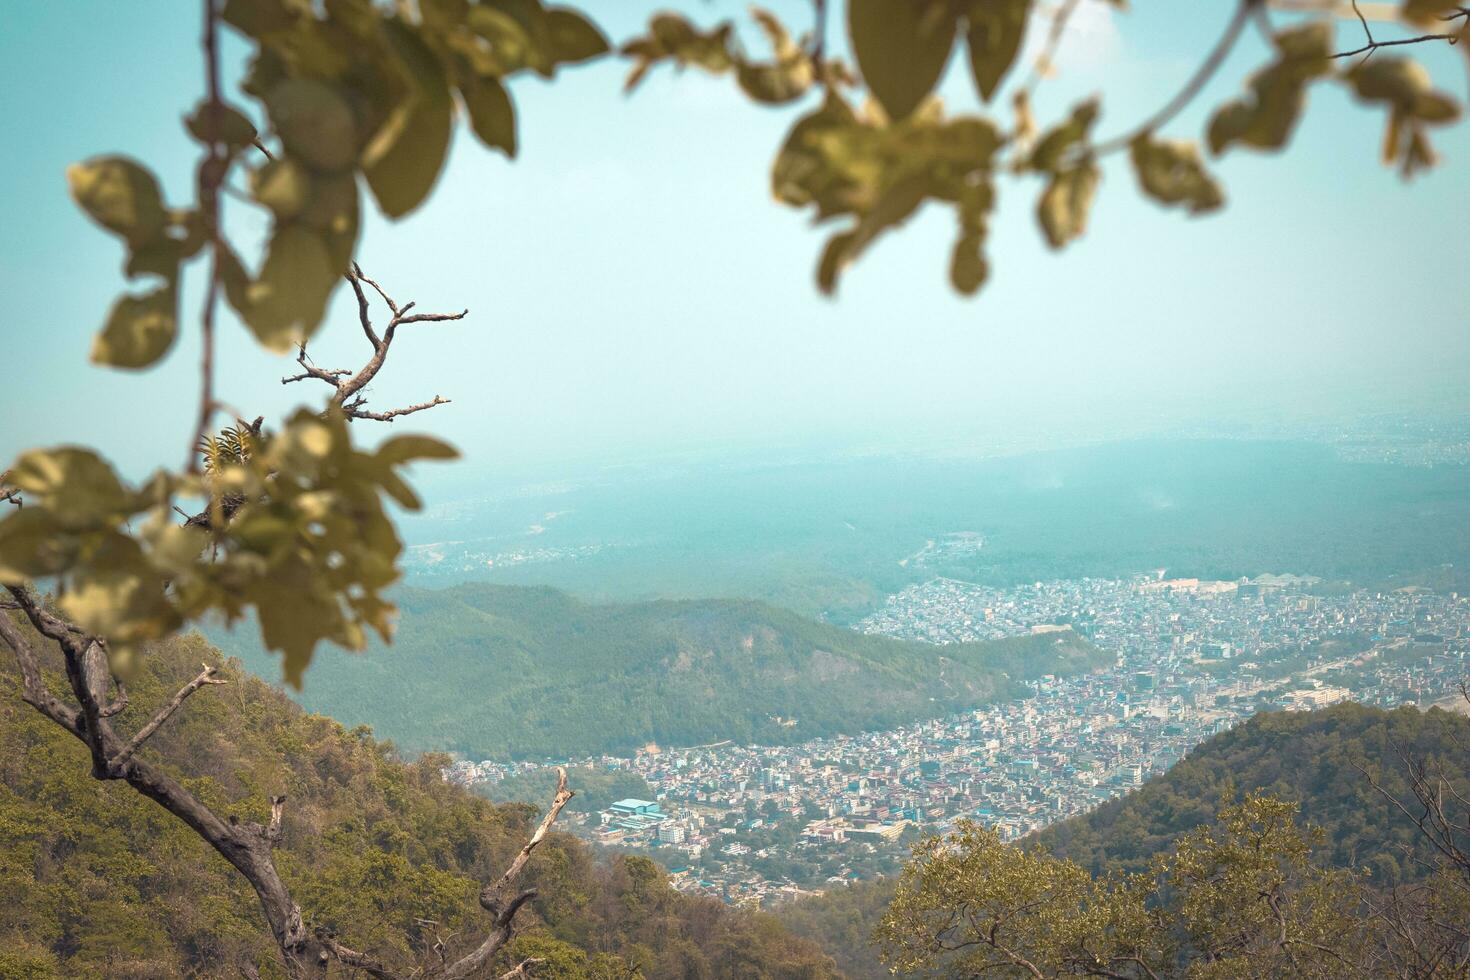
(1375, 45)
(206, 676)
(493, 897)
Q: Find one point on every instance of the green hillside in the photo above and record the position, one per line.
(100, 883)
(1310, 758)
(502, 671)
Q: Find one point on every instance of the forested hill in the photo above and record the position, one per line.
(503, 671)
(1310, 758)
(98, 882)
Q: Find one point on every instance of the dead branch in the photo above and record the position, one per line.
(348, 385)
(206, 676)
(495, 898)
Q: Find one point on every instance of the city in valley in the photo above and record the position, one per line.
(756, 824)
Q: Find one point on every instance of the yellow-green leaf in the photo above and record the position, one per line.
(33, 545)
(283, 186)
(1171, 172)
(285, 304)
(230, 126)
(901, 47)
(314, 123)
(1065, 203)
(76, 485)
(492, 116)
(120, 195)
(403, 159)
(996, 30)
(139, 330)
(573, 37)
(406, 449)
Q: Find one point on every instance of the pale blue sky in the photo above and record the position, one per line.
(634, 289)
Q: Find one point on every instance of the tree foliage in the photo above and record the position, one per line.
(99, 882)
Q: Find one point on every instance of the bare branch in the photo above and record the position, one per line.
(1372, 46)
(519, 970)
(493, 897)
(206, 676)
(355, 412)
(354, 277)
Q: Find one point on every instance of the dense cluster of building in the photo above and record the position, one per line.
(1193, 658)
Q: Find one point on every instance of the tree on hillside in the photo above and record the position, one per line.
(287, 519)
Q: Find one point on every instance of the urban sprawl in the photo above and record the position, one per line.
(758, 824)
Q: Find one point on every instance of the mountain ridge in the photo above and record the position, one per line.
(494, 671)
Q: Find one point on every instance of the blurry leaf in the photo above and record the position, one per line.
(235, 279)
(1389, 79)
(968, 269)
(160, 257)
(672, 38)
(406, 449)
(76, 485)
(901, 47)
(1265, 119)
(997, 28)
(1055, 150)
(403, 159)
(332, 211)
(775, 84)
(232, 128)
(258, 18)
(33, 545)
(314, 123)
(289, 299)
(834, 258)
(1171, 172)
(492, 116)
(119, 595)
(510, 46)
(573, 37)
(1065, 203)
(139, 330)
(281, 185)
(119, 195)
(1406, 87)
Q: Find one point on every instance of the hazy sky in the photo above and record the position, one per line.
(634, 288)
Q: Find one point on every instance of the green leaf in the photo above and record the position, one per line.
(257, 18)
(1065, 203)
(332, 211)
(1054, 151)
(403, 159)
(139, 330)
(120, 195)
(315, 123)
(573, 37)
(287, 302)
(492, 115)
(283, 186)
(968, 269)
(76, 485)
(33, 545)
(997, 28)
(160, 257)
(235, 279)
(231, 128)
(1171, 172)
(406, 449)
(901, 47)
